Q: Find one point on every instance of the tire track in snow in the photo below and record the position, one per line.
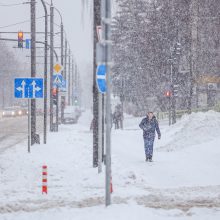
(184, 199)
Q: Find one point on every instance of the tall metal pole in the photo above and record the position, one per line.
(65, 60)
(33, 68)
(103, 126)
(171, 88)
(73, 82)
(69, 76)
(45, 73)
(29, 123)
(65, 77)
(96, 22)
(51, 64)
(106, 22)
(100, 135)
(62, 52)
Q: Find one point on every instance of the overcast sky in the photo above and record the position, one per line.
(78, 33)
(78, 29)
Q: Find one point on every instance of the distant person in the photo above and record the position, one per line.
(149, 125)
(116, 120)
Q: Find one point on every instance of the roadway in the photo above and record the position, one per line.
(15, 130)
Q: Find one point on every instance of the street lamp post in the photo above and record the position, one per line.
(45, 72)
(33, 68)
(51, 64)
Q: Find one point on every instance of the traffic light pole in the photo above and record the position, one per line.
(33, 68)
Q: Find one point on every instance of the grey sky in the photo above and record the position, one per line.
(78, 33)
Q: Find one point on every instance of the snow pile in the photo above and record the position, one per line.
(194, 129)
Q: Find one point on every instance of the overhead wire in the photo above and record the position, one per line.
(10, 5)
(22, 22)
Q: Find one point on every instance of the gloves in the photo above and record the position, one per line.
(159, 137)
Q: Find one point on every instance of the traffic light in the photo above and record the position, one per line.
(54, 96)
(168, 94)
(20, 39)
(75, 101)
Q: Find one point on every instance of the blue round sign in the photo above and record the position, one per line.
(101, 78)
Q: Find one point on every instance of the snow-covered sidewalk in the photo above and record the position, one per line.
(183, 182)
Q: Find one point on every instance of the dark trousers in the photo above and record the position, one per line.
(148, 146)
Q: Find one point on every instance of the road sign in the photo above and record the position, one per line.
(28, 43)
(63, 86)
(101, 78)
(58, 68)
(28, 88)
(57, 80)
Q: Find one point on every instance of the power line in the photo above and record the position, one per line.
(22, 22)
(11, 5)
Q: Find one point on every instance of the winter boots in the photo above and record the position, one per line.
(149, 158)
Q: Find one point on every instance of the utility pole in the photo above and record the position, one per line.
(33, 68)
(51, 64)
(96, 22)
(45, 72)
(106, 24)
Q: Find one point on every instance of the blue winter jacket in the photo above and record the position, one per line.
(149, 127)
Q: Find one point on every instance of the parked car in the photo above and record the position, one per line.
(71, 115)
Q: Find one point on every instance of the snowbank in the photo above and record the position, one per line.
(191, 130)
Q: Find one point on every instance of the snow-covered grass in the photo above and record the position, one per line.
(183, 182)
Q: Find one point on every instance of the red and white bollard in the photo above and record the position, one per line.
(44, 179)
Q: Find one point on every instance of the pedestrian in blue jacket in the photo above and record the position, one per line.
(149, 125)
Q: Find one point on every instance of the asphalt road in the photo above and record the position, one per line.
(15, 130)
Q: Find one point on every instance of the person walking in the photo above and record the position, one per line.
(149, 125)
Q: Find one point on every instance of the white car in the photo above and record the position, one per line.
(11, 112)
(70, 115)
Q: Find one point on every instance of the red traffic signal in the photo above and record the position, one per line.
(20, 39)
(168, 93)
(54, 91)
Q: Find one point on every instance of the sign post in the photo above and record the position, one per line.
(101, 84)
(106, 27)
(29, 88)
(57, 83)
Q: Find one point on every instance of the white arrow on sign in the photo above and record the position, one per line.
(22, 88)
(35, 89)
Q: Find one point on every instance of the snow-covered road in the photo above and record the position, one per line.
(183, 182)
